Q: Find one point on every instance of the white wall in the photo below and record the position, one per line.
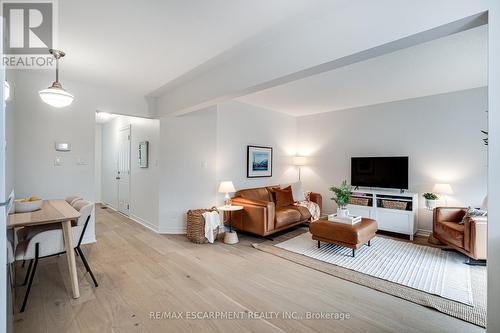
(143, 181)
(202, 148)
(38, 126)
(98, 163)
(240, 125)
(440, 134)
(187, 166)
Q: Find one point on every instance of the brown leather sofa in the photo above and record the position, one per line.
(469, 238)
(260, 215)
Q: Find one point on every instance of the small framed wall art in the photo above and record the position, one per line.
(259, 161)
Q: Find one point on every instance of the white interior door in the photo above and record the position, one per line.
(123, 171)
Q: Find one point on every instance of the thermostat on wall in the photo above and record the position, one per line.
(63, 146)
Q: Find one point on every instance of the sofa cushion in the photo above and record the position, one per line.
(286, 215)
(260, 193)
(283, 197)
(298, 194)
(451, 232)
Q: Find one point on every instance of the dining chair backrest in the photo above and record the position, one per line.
(85, 209)
(72, 199)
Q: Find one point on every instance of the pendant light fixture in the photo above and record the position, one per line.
(55, 95)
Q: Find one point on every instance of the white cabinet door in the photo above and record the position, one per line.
(392, 220)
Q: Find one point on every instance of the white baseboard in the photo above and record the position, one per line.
(172, 231)
(135, 218)
(144, 223)
(104, 203)
(423, 232)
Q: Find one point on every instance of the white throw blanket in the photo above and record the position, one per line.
(313, 209)
(212, 221)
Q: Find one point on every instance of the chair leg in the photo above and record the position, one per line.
(28, 272)
(32, 275)
(86, 264)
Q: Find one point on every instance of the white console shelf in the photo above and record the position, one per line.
(393, 210)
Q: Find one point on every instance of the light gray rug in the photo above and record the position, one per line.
(474, 313)
(420, 267)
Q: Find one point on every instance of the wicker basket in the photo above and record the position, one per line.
(195, 229)
(359, 201)
(401, 205)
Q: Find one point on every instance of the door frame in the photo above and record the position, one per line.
(123, 128)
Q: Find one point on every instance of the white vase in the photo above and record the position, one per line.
(430, 204)
(342, 212)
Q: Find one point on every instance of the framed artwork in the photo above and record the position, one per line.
(259, 161)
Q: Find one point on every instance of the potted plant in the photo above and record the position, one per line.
(430, 200)
(341, 196)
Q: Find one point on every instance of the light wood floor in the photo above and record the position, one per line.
(141, 272)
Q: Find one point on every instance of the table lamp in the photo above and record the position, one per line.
(227, 187)
(299, 161)
(443, 189)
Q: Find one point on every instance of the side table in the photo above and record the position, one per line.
(230, 237)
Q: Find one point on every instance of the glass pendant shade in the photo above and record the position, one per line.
(56, 96)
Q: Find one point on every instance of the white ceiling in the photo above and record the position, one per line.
(452, 63)
(140, 46)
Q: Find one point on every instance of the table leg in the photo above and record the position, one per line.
(70, 254)
(230, 222)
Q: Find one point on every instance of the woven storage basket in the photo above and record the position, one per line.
(401, 205)
(195, 229)
(359, 201)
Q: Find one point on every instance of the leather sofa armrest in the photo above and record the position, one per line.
(317, 198)
(449, 214)
(257, 215)
(475, 236)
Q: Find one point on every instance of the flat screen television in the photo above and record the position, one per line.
(382, 172)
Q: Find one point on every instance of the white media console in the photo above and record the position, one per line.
(393, 210)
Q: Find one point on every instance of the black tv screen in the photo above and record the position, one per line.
(384, 172)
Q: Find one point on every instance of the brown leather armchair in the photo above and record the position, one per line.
(260, 215)
(470, 238)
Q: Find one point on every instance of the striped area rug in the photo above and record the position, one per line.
(424, 268)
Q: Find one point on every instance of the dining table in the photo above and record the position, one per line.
(53, 212)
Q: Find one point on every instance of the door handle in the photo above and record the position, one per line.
(117, 178)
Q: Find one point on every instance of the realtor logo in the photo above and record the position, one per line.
(29, 33)
(29, 28)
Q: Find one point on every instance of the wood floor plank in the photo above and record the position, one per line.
(140, 272)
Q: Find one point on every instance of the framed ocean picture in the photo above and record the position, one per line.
(259, 161)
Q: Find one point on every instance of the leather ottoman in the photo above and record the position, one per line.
(347, 235)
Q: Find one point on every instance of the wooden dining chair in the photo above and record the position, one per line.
(50, 243)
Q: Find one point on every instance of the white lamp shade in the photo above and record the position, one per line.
(299, 160)
(56, 97)
(442, 189)
(226, 187)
